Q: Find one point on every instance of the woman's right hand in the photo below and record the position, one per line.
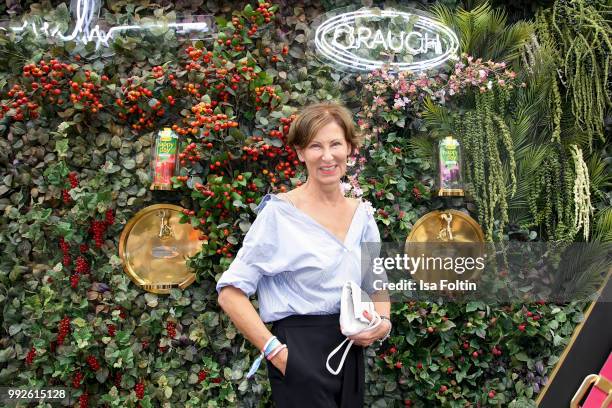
(280, 360)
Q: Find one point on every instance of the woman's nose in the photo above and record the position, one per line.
(327, 154)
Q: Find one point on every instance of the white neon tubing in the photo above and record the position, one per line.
(347, 59)
(85, 10)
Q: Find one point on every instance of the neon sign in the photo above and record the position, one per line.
(368, 39)
(86, 12)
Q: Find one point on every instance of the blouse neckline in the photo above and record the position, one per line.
(318, 224)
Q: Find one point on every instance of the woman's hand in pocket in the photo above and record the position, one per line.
(280, 360)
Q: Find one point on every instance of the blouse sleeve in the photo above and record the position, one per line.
(258, 254)
(370, 241)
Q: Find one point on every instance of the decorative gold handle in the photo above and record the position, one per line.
(596, 381)
(165, 230)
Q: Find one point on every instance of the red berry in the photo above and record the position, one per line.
(84, 400)
(443, 389)
(475, 354)
(491, 394)
(118, 376)
(63, 329)
(93, 363)
(202, 376)
(81, 265)
(139, 388)
(83, 248)
(217, 380)
(66, 197)
(74, 281)
(74, 181)
(171, 329)
(521, 327)
(111, 329)
(77, 379)
(110, 217)
(30, 356)
(393, 350)
(419, 365)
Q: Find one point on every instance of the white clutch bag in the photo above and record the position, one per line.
(353, 303)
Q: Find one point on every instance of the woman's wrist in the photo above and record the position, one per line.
(386, 329)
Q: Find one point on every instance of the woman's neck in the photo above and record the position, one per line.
(330, 194)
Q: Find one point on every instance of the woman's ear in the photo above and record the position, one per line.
(299, 154)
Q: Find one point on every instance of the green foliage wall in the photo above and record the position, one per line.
(74, 172)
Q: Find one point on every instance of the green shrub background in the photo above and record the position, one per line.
(439, 355)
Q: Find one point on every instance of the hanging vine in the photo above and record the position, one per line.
(580, 35)
(550, 197)
(582, 193)
(488, 145)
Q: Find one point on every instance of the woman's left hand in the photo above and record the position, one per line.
(368, 337)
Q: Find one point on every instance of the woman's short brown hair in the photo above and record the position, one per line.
(313, 117)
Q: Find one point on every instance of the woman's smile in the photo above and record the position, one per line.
(329, 169)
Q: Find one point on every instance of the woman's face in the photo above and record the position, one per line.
(326, 154)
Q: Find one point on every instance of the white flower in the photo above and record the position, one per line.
(490, 84)
(368, 207)
(345, 187)
(357, 191)
(350, 162)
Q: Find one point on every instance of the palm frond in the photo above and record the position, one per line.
(602, 225)
(437, 117)
(483, 31)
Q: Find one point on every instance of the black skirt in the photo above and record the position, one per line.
(306, 382)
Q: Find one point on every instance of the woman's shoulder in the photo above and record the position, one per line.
(268, 201)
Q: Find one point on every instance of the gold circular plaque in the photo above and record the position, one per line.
(154, 248)
(442, 238)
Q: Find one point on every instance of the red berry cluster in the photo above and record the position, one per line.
(117, 380)
(416, 193)
(81, 265)
(217, 380)
(74, 281)
(137, 97)
(77, 379)
(265, 12)
(158, 72)
(63, 330)
(171, 329)
(496, 351)
(190, 153)
(139, 388)
(20, 105)
(74, 182)
(111, 329)
(73, 179)
(65, 247)
(86, 94)
(30, 356)
(66, 197)
(83, 248)
(98, 229)
(92, 361)
(202, 376)
(84, 400)
(265, 96)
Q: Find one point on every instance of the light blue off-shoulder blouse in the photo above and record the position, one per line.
(296, 265)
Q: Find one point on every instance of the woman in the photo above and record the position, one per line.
(301, 249)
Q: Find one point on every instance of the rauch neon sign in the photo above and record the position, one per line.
(369, 39)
